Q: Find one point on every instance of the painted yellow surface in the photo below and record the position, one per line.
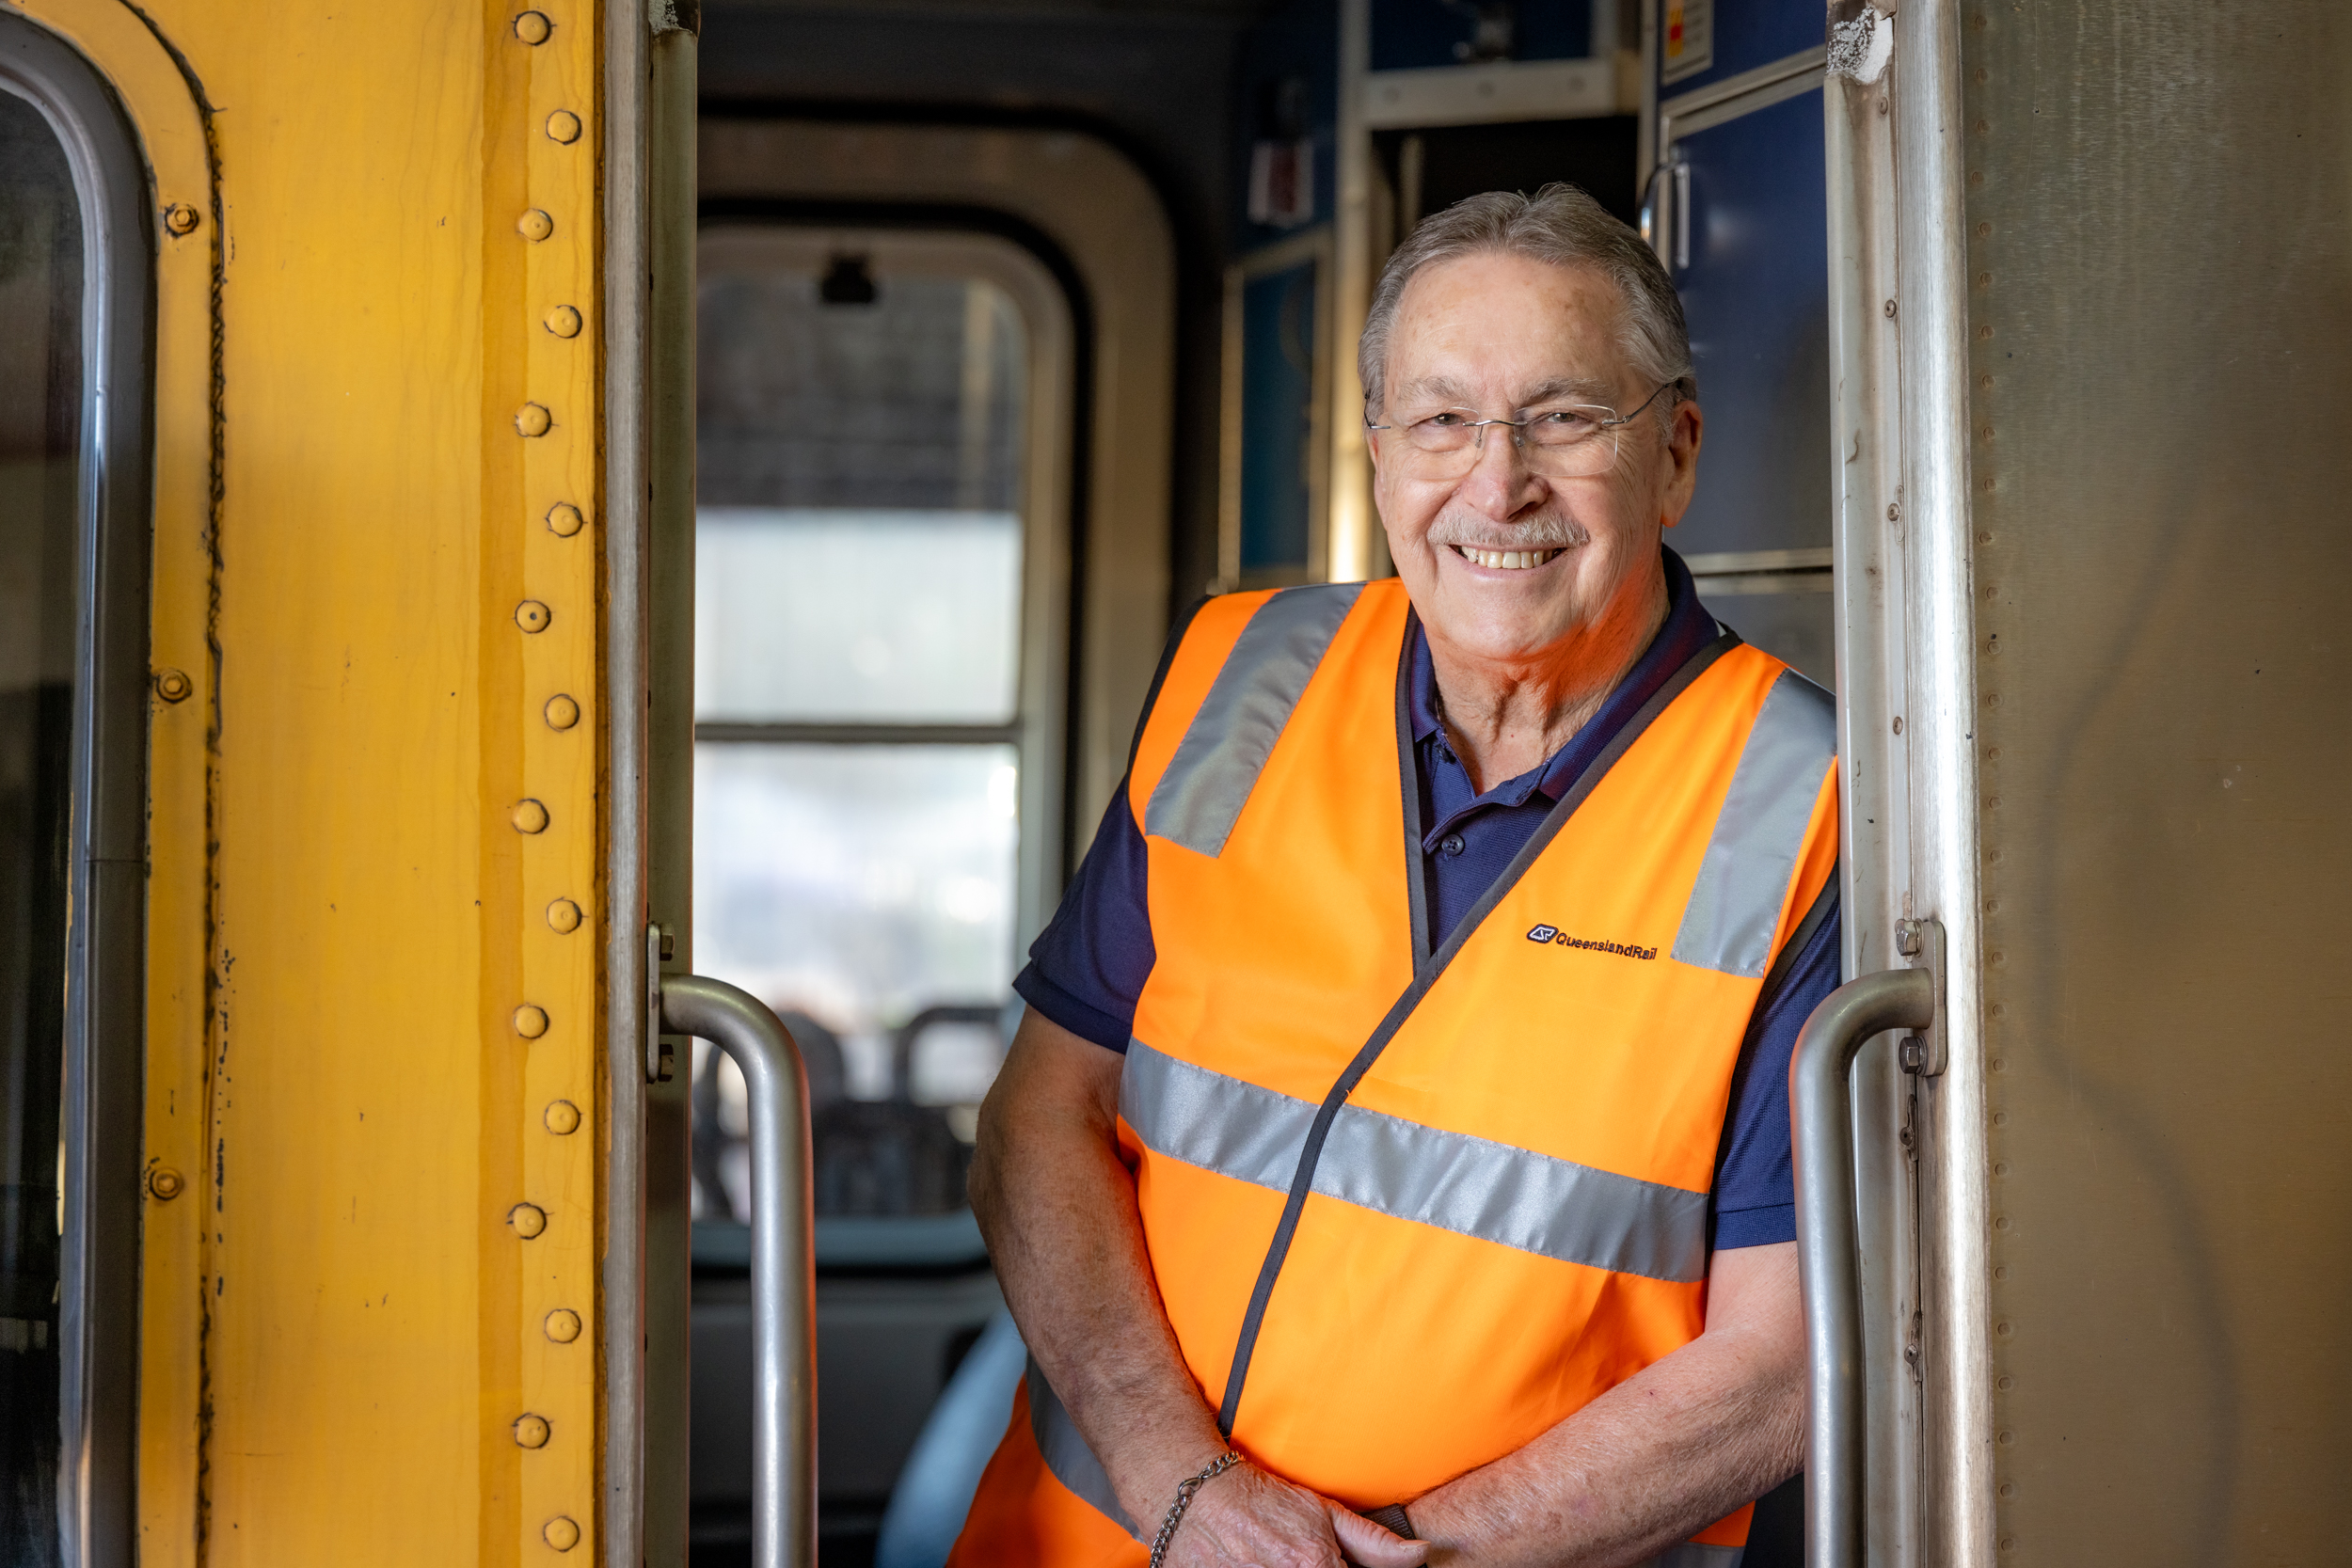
(341, 1328)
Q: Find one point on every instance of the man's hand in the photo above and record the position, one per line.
(1246, 1518)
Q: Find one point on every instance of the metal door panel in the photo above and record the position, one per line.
(2160, 293)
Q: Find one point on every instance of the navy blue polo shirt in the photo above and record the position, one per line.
(1088, 969)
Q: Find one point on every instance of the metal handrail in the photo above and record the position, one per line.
(1821, 1119)
(783, 1303)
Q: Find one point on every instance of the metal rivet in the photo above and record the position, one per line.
(2003, 1329)
(2000, 1118)
(532, 27)
(2001, 1272)
(2007, 1437)
(2008, 1490)
(561, 712)
(534, 225)
(1985, 332)
(181, 218)
(2000, 1063)
(533, 616)
(563, 519)
(165, 1183)
(564, 126)
(1890, 310)
(562, 1118)
(1894, 512)
(2009, 1543)
(562, 1325)
(533, 418)
(564, 916)
(531, 1432)
(1899, 723)
(1984, 280)
(2001, 1223)
(2006, 1384)
(529, 816)
(563, 321)
(2001, 1169)
(529, 1022)
(528, 1219)
(561, 1534)
(174, 686)
(1984, 230)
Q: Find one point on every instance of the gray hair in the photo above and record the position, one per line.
(1560, 225)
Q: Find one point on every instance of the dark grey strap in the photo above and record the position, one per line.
(1391, 1519)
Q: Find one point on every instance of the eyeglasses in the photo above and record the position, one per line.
(1573, 440)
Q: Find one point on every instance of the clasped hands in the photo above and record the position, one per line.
(1246, 1518)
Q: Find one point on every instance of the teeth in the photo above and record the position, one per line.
(1510, 560)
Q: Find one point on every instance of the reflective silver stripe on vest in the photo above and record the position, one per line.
(1066, 1452)
(1693, 1555)
(1473, 1186)
(1735, 905)
(1208, 780)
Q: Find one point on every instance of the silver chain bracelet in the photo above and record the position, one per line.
(1184, 1491)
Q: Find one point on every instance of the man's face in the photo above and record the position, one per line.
(1492, 337)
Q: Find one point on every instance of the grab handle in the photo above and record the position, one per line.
(1822, 1120)
(783, 1309)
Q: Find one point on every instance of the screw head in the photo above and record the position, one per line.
(528, 1220)
(561, 1534)
(562, 1325)
(564, 917)
(534, 225)
(532, 27)
(533, 616)
(564, 126)
(174, 686)
(1907, 938)
(1890, 310)
(531, 1432)
(529, 816)
(563, 519)
(561, 712)
(533, 418)
(165, 1183)
(562, 1118)
(563, 321)
(181, 218)
(529, 1022)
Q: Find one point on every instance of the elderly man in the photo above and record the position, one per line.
(1393, 1163)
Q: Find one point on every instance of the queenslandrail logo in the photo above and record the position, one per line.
(1558, 938)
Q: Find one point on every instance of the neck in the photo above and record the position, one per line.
(1505, 715)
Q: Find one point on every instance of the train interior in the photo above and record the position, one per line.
(899, 478)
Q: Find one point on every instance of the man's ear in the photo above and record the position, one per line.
(1682, 450)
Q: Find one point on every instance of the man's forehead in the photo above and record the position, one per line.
(1554, 331)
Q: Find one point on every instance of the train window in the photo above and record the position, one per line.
(40, 420)
(873, 414)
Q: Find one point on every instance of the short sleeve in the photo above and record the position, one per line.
(1755, 1192)
(1087, 967)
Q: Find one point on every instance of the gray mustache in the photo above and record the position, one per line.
(1547, 532)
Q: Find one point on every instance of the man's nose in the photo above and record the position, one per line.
(1498, 475)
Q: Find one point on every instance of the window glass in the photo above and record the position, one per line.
(857, 884)
(41, 428)
(862, 427)
(849, 616)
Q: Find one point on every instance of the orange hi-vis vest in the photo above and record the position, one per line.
(1407, 1210)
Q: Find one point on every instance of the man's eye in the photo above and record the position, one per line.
(1444, 421)
(1562, 419)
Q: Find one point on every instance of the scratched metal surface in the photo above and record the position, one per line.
(2160, 304)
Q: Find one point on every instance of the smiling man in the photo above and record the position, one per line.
(1393, 1162)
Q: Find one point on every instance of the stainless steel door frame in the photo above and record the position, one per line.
(1906, 673)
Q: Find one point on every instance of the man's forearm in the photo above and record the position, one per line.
(1652, 1462)
(1063, 1229)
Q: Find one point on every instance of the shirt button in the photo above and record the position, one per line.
(1452, 844)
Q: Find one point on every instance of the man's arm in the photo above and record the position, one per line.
(1658, 1458)
(1057, 1205)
